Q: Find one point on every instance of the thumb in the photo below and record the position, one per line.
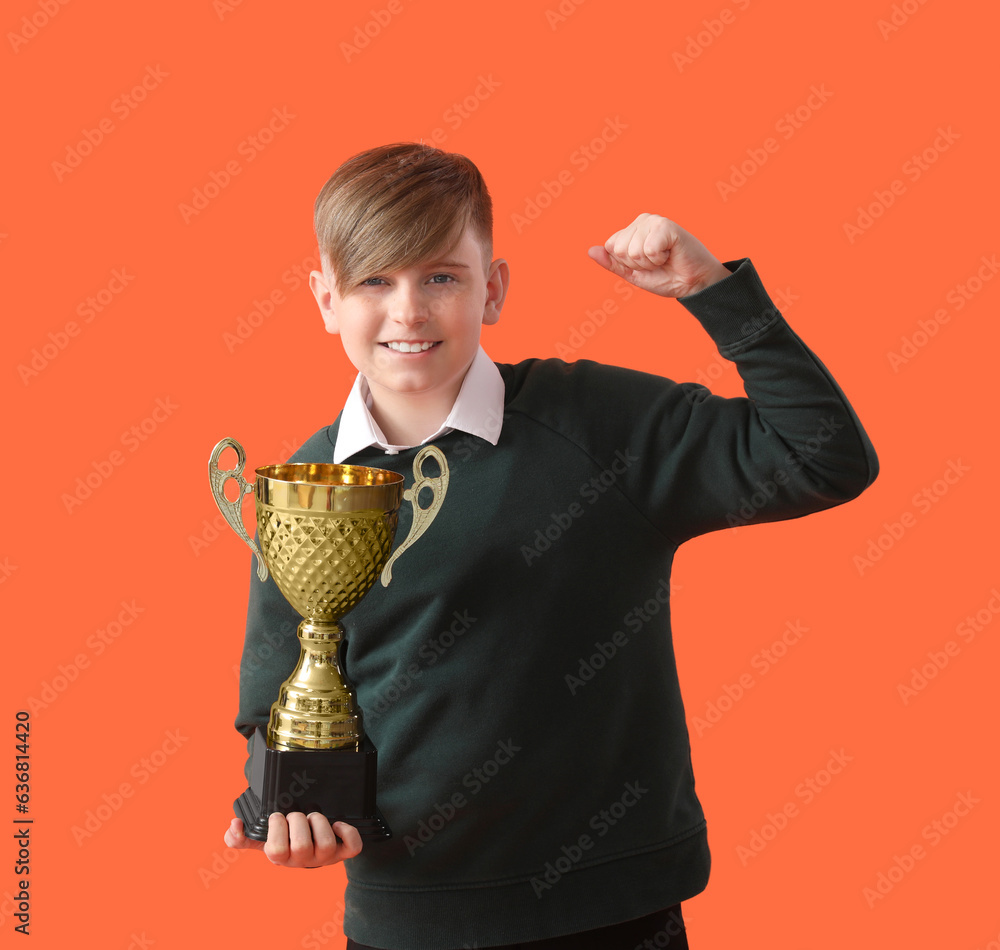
(236, 839)
(602, 257)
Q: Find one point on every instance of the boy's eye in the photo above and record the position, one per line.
(372, 282)
(444, 278)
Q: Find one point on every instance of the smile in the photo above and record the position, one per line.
(401, 346)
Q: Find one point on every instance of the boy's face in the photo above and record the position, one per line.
(414, 332)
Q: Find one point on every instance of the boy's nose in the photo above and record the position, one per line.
(408, 307)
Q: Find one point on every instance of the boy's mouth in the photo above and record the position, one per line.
(403, 346)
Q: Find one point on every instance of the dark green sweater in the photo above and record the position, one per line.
(518, 676)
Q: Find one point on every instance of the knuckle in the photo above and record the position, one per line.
(326, 853)
(351, 850)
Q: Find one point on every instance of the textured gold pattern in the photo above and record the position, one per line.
(325, 563)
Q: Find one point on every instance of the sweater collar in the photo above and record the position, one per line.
(478, 410)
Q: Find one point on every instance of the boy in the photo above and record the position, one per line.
(532, 804)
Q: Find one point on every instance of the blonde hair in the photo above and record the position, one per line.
(396, 205)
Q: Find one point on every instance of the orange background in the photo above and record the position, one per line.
(534, 86)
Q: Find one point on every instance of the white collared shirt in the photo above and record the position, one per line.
(478, 410)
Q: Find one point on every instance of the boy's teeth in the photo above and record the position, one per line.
(404, 347)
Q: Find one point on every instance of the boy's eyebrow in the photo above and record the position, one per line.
(447, 264)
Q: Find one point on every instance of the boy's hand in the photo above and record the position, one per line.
(657, 255)
(300, 841)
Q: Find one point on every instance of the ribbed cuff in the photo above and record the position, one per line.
(736, 310)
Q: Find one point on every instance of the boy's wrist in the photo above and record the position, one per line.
(734, 308)
(727, 269)
(718, 273)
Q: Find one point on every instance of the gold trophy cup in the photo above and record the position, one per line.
(325, 534)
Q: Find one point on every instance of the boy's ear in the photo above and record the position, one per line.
(497, 282)
(320, 285)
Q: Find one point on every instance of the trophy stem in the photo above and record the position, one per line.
(316, 708)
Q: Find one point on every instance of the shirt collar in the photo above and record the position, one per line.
(478, 410)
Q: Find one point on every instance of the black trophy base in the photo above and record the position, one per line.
(339, 783)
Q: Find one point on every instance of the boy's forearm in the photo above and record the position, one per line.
(793, 445)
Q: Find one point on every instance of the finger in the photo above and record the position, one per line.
(637, 251)
(300, 840)
(652, 242)
(277, 848)
(235, 837)
(325, 842)
(350, 840)
(601, 256)
(656, 248)
(234, 834)
(617, 244)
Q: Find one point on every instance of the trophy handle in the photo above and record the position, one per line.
(231, 510)
(422, 517)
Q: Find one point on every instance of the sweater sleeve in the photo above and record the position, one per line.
(793, 445)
